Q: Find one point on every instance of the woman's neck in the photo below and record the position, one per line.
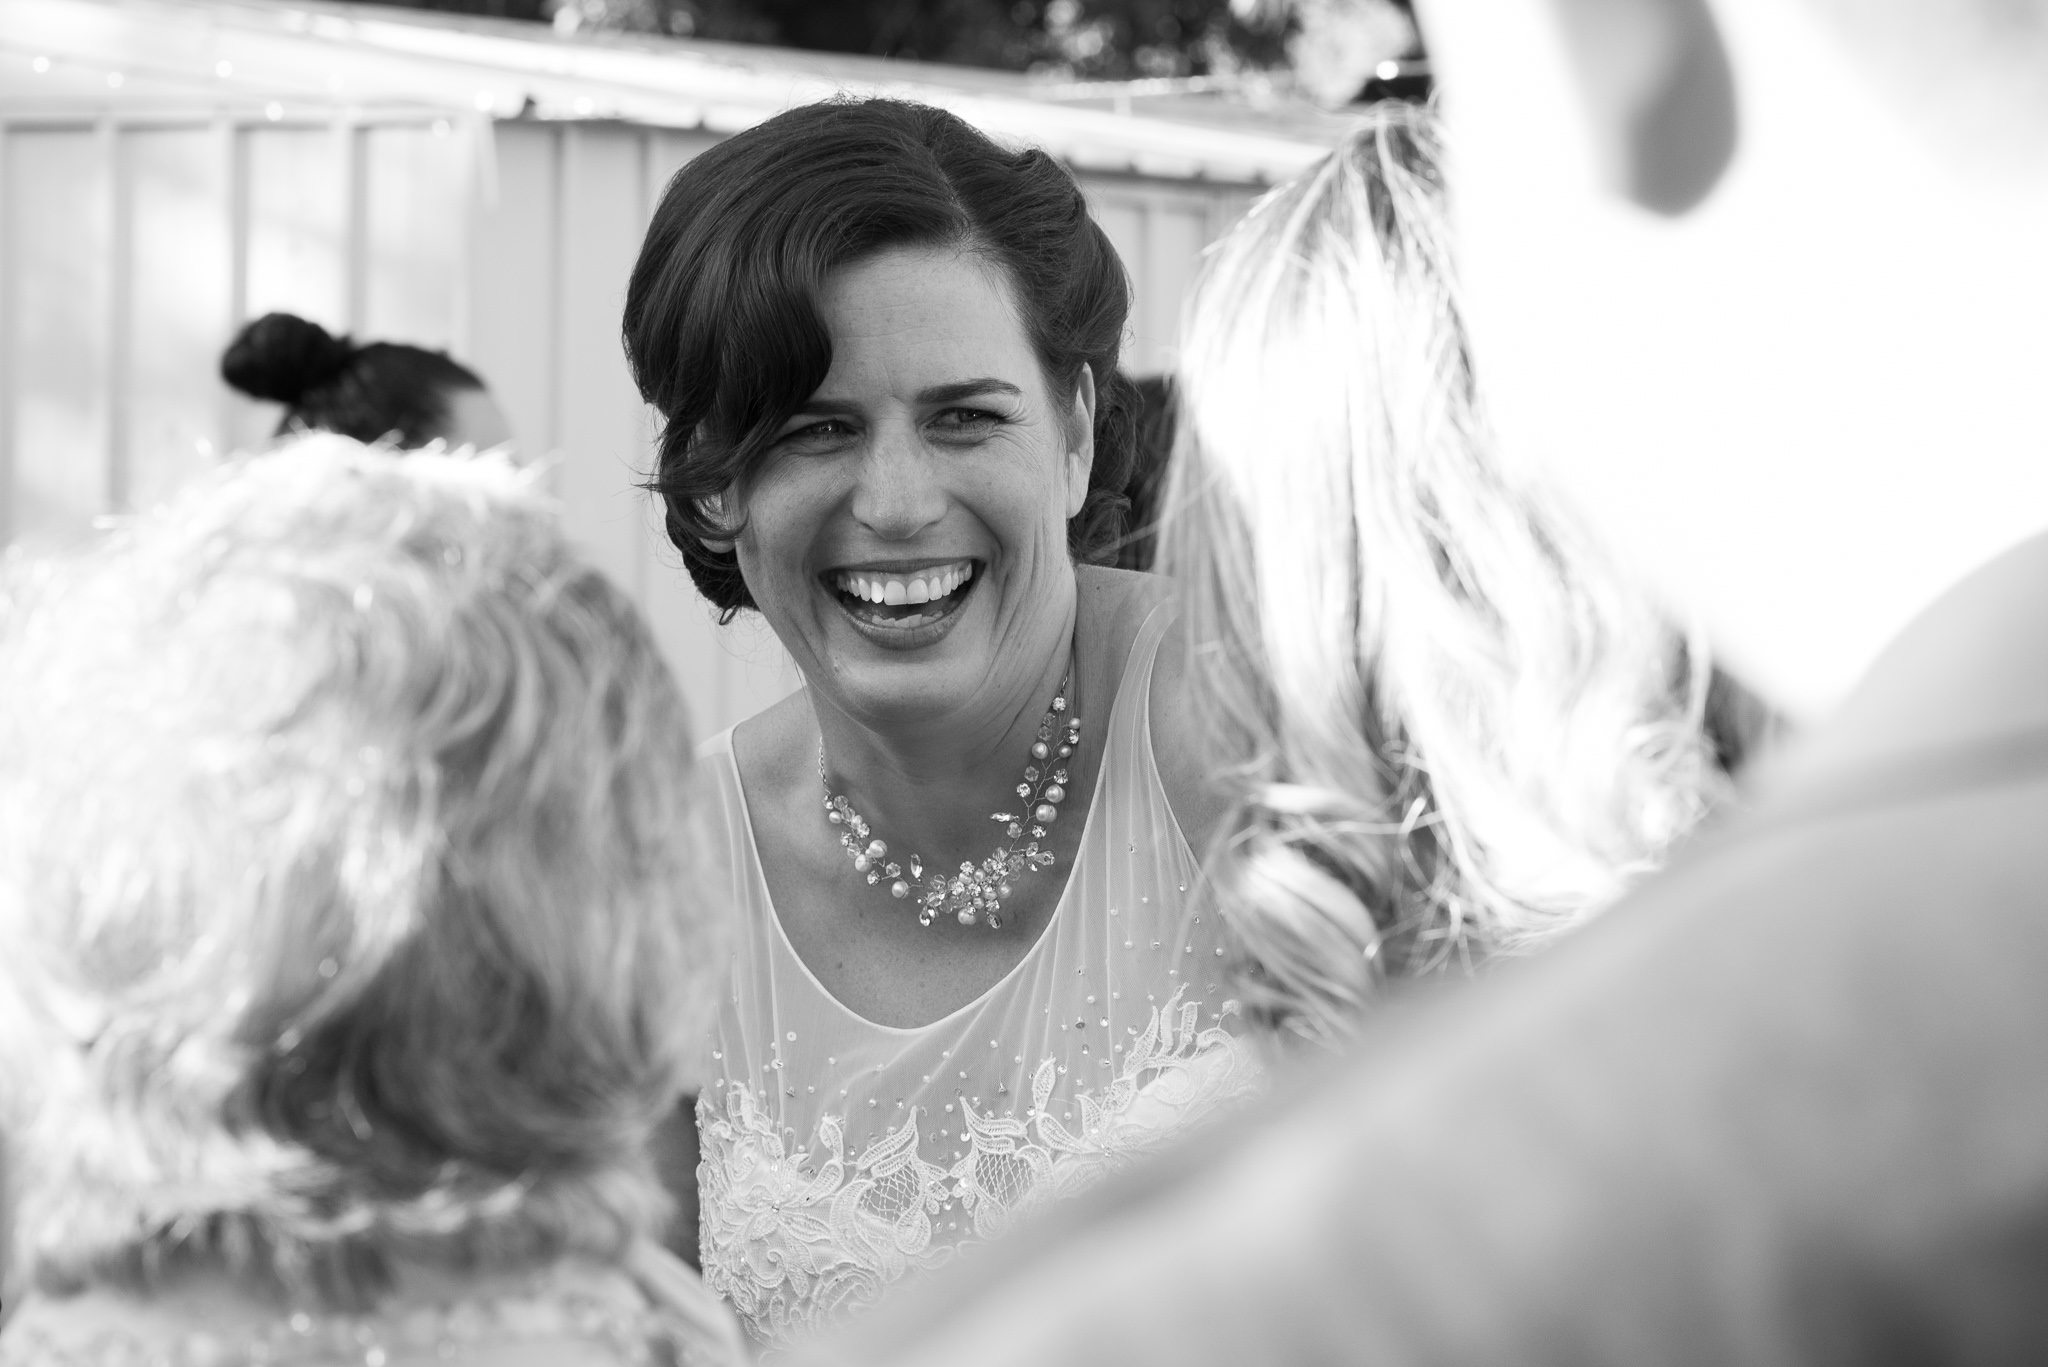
(930, 785)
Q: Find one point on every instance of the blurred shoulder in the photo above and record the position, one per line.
(1121, 602)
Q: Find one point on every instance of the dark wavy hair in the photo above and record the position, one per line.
(722, 327)
(367, 390)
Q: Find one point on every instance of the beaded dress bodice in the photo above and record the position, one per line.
(839, 1154)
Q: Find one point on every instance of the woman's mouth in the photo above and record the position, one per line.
(903, 600)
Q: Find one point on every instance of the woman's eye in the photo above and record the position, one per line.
(967, 422)
(824, 432)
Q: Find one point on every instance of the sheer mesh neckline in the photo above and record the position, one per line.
(840, 1156)
(1085, 853)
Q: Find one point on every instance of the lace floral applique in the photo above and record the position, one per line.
(780, 1240)
(1173, 1073)
(794, 1235)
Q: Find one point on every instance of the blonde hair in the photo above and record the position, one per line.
(1453, 728)
(342, 881)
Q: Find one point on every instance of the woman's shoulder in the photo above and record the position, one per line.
(1111, 608)
(1119, 601)
(775, 745)
(1123, 601)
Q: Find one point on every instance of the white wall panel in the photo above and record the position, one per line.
(179, 303)
(513, 286)
(58, 203)
(1175, 233)
(602, 442)
(416, 228)
(299, 216)
(1122, 217)
(1160, 229)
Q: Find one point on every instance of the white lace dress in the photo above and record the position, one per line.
(839, 1154)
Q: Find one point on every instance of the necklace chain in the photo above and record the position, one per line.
(977, 892)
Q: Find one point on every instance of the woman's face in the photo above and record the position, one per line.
(906, 537)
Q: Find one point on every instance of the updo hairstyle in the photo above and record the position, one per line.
(369, 391)
(722, 325)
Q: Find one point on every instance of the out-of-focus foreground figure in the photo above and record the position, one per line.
(1763, 280)
(357, 949)
(1454, 727)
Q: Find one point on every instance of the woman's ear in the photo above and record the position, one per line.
(714, 508)
(1080, 462)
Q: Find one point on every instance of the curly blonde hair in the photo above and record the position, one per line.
(342, 884)
(1454, 729)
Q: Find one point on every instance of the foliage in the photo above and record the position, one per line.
(1087, 39)
(1330, 44)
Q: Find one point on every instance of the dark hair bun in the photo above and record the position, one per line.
(281, 355)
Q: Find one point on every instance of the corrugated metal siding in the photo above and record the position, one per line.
(1161, 230)
(131, 250)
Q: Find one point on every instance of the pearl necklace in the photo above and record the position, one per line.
(974, 893)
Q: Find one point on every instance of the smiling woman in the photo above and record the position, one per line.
(970, 975)
(933, 449)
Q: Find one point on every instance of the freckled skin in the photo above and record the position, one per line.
(869, 473)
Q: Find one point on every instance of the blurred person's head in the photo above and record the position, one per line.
(371, 391)
(725, 325)
(1454, 728)
(1763, 281)
(342, 886)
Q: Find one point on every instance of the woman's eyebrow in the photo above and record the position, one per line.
(950, 392)
(826, 408)
(967, 389)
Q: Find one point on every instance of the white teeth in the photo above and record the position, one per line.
(893, 591)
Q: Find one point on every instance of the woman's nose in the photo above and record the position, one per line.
(898, 494)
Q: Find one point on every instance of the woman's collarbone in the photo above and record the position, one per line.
(870, 953)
